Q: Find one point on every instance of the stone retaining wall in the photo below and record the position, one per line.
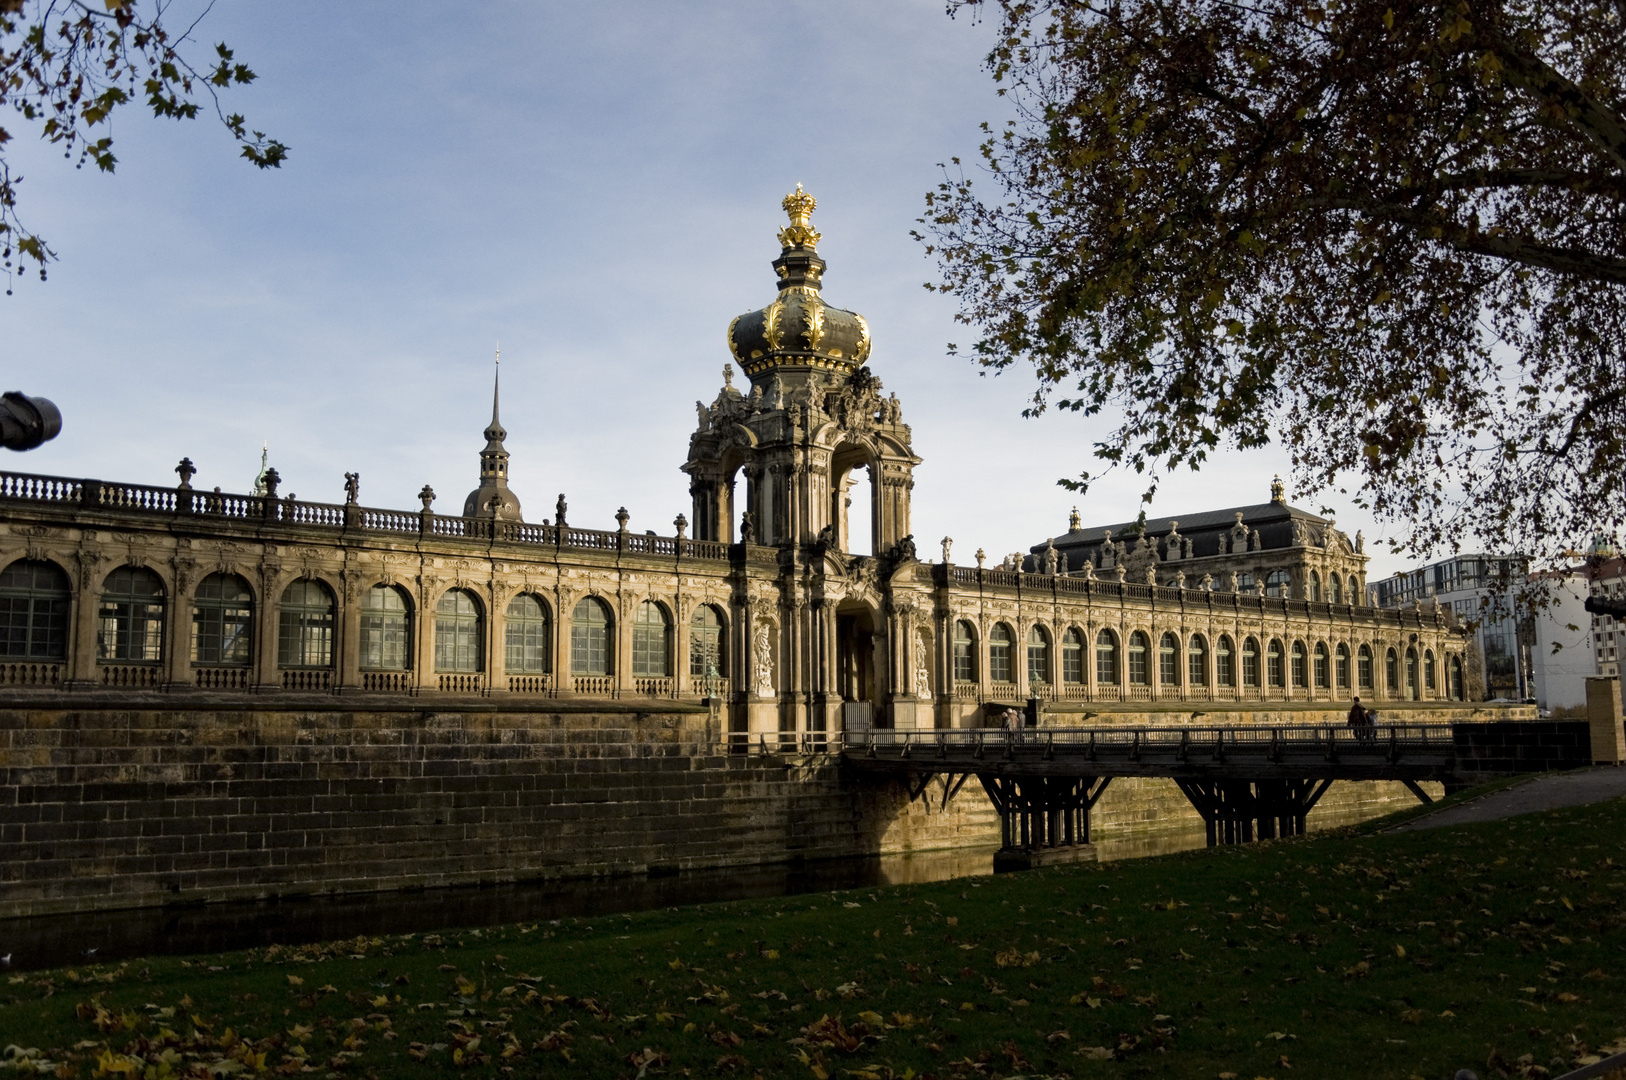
(124, 802)
(110, 806)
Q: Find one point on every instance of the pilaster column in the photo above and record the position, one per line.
(348, 634)
(621, 684)
(985, 678)
(1019, 657)
(682, 683)
(82, 670)
(423, 645)
(178, 634)
(564, 683)
(496, 638)
(266, 676)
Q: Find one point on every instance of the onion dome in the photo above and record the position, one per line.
(799, 329)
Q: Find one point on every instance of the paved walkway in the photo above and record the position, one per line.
(1576, 788)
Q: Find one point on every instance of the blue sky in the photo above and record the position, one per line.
(596, 186)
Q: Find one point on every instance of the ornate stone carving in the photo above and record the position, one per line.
(923, 673)
(762, 658)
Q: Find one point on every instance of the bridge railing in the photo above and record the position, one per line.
(771, 743)
(1300, 738)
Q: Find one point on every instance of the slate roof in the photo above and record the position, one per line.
(1273, 520)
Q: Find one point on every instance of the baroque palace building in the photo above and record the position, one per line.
(763, 611)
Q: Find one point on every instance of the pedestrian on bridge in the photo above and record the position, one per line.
(1358, 716)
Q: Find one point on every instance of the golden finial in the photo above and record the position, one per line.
(1278, 491)
(799, 233)
(1073, 522)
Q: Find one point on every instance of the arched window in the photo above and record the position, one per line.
(999, 654)
(1300, 676)
(305, 620)
(1455, 675)
(1335, 589)
(1250, 661)
(223, 622)
(527, 637)
(1038, 655)
(1197, 661)
(1278, 583)
(457, 632)
(1168, 661)
(651, 641)
(708, 652)
(590, 638)
(1072, 656)
(34, 599)
(1364, 664)
(1224, 663)
(1354, 589)
(1323, 664)
(1139, 669)
(1275, 668)
(1391, 673)
(1411, 674)
(1341, 665)
(1244, 583)
(1428, 671)
(386, 630)
(130, 620)
(1106, 658)
(965, 652)
(1315, 586)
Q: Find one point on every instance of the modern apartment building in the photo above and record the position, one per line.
(1469, 585)
(1608, 632)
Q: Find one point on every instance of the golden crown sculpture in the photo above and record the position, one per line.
(799, 205)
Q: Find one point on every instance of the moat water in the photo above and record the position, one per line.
(51, 941)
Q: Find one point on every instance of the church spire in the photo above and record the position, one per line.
(495, 433)
(492, 499)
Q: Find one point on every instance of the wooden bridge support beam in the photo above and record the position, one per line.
(1037, 812)
(1241, 811)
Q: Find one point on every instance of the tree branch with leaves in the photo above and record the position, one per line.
(67, 66)
(1389, 236)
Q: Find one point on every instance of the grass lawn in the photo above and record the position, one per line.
(1500, 947)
